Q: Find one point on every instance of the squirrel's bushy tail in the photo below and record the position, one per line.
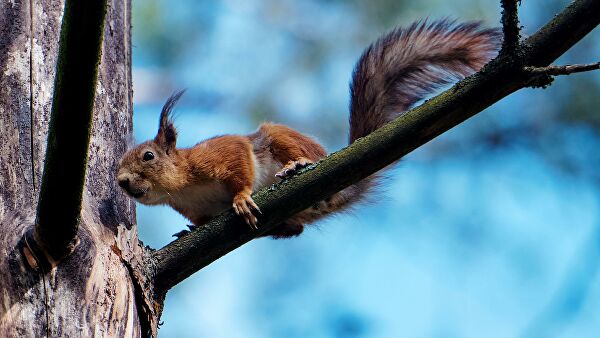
(400, 69)
(407, 64)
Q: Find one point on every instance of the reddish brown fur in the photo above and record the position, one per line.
(225, 158)
(287, 145)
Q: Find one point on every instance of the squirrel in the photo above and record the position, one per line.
(396, 71)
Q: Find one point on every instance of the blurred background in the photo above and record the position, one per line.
(491, 230)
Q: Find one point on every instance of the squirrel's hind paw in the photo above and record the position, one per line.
(292, 167)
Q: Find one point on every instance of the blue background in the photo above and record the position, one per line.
(491, 230)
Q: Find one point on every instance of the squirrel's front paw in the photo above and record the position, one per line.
(292, 167)
(243, 204)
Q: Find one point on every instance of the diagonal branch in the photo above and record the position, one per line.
(58, 212)
(503, 76)
(510, 26)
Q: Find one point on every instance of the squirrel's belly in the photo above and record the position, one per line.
(207, 199)
(265, 168)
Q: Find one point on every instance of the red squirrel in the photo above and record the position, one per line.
(395, 72)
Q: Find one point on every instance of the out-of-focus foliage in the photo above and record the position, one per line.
(491, 230)
(165, 38)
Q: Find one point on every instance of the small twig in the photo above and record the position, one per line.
(510, 26)
(562, 70)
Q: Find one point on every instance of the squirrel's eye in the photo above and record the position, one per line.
(148, 156)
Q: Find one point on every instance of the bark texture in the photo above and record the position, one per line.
(91, 292)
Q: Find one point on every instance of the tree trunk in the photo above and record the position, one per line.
(92, 292)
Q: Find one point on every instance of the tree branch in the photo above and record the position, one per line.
(59, 205)
(501, 77)
(510, 26)
(562, 70)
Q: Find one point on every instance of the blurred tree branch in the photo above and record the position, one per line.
(58, 213)
(503, 76)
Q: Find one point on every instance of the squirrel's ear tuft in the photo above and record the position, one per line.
(167, 134)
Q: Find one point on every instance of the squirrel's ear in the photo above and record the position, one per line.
(166, 137)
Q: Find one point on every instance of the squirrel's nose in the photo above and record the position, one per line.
(124, 183)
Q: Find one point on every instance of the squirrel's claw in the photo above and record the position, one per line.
(293, 166)
(243, 204)
(179, 234)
